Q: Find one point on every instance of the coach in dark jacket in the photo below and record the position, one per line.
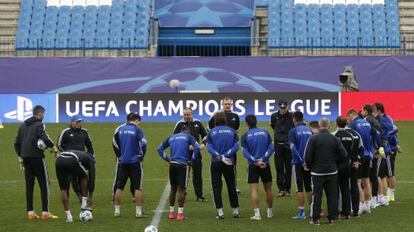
(31, 141)
(75, 137)
(323, 153)
(281, 123)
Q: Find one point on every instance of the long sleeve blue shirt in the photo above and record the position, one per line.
(131, 143)
(179, 148)
(366, 132)
(222, 141)
(257, 144)
(298, 138)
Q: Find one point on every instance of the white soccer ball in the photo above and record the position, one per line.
(151, 228)
(41, 145)
(174, 83)
(85, 216)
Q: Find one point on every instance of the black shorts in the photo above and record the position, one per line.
(391, 164)
(382, 168)
(255, 172)
(365, 167)
(132, 171)
(301, 178)
(179, 175)
(67, 168)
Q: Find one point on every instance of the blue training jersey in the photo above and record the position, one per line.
(298, 138)
(222, 141)
(257, 144)
(132, 143)
(389, 130)
(179, 148)
(365, 131)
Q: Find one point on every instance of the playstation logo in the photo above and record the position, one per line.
(23, 110)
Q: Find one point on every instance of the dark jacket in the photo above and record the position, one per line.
(323, 153)
(29, 133)
(197, 129)
(75, 139)
(232, 121)
(281, 125)
(352, 143)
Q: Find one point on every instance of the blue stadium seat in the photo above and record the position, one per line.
(352, 20)
(326, 26)
(314, 25)
(301, 33)
(366, 26)
(274, 25)
(339, 25)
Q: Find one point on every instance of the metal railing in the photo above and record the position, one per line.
(254, 46)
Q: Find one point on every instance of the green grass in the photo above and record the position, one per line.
(396, 217)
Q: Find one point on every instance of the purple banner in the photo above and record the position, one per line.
(204, 13)
(243, 74)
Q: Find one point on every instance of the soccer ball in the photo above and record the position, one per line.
(41, 145)
(85, 216)
(151, 228)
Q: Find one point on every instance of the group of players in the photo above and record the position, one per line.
(358, 173)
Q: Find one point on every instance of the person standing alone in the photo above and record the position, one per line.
(281, 123)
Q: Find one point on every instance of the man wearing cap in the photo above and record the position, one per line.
(75, 137)
(281, 123)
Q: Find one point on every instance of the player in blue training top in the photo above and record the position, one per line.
(298, 138)
(257, 148)
(222, 144)
(130, 146)
(366, 132)
(180, 160)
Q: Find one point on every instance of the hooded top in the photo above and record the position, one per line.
(29, 133)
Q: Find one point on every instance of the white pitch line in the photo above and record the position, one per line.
(161, 205)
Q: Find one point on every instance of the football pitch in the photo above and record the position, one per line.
(398, 216)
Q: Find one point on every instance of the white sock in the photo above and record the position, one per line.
(117, 208)
(45, 212)
(172, 209)
(220, 212)
(388, 191)
(269, 211)
(138, 210)
(235, 210)
(30, 212)
(392, 192)
(180, 210)
(68, 214)
(84, 202)
(256, 212)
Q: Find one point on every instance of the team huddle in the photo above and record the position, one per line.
(354, 165)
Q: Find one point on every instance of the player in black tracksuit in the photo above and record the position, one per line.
(281, 123)
(322, 155)
(31, 158)
(232, 121)
(348, 171)
(75, 137)
(196, 130)
(74, 165)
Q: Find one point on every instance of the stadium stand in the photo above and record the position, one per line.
(334, 22)
(90, 24)
(132, 28)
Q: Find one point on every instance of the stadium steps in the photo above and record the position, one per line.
(406, 11)
(262, 25)
(9, 14)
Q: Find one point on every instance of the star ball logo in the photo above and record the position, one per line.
(23, 110)
(203, 79)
